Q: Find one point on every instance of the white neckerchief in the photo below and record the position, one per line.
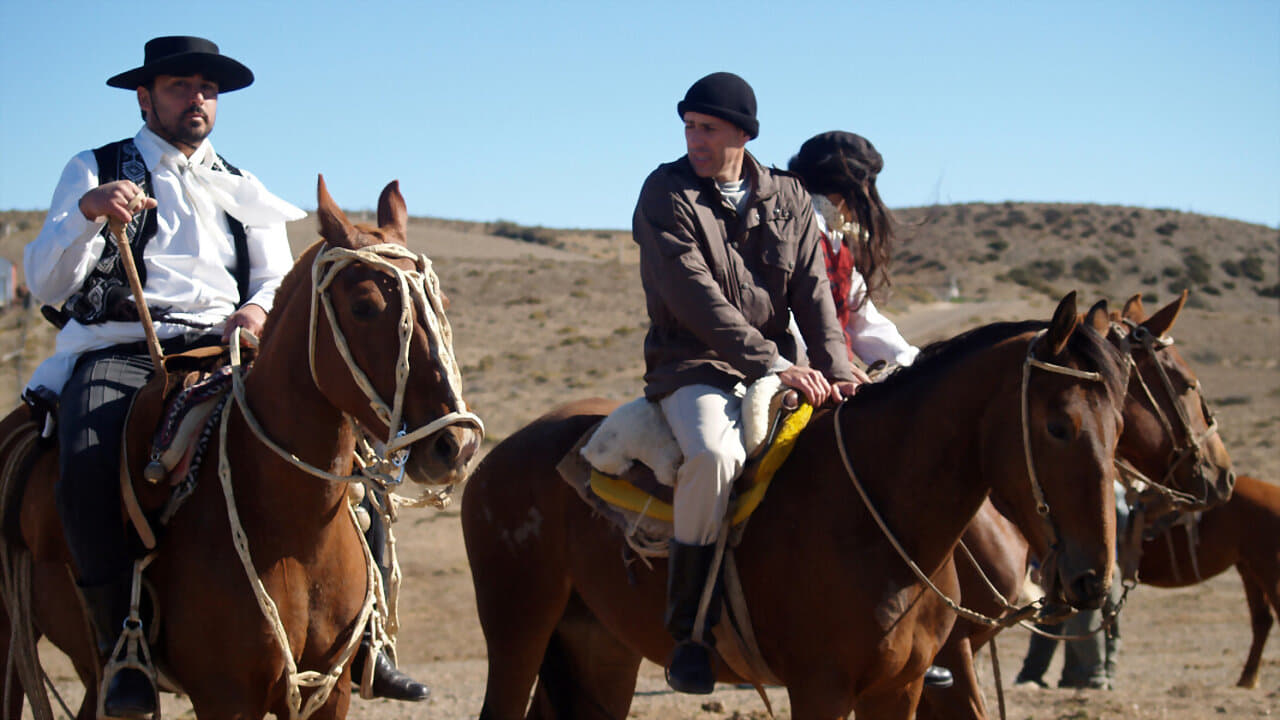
(210, 190)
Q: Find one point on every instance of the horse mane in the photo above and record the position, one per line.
(934, 359)
(299, 274)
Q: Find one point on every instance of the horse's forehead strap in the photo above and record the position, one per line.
(1145, 337)
(1035, 362)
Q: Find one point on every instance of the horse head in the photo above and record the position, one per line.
(1072, 392)
(385, 355)
(1170, 437)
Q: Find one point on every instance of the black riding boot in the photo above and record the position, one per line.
(388, 681)
(691, 667)
(128, 693)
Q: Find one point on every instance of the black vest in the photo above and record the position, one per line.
(105, 294)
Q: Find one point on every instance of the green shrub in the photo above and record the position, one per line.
(1198, 267)
(1091, 270)
(1252, 268)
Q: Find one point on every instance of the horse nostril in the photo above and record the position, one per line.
(1089, 590)
(446, 447)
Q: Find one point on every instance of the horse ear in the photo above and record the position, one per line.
(391, 210)
(334, 226)
(1133, 309)
(1099, 318)
(1160, 323)
(1062, 325)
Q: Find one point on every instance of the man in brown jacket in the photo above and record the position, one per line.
(729, 250)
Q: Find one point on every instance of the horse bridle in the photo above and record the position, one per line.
(1188, 443)
(420, 290)
(1016, 614)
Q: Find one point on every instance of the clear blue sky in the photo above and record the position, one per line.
(552, 113)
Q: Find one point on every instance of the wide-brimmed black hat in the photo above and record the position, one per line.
(184, 55)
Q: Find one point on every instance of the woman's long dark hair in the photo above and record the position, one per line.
(846, 164)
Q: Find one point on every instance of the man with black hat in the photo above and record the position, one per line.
(728, 251)
(210, 248)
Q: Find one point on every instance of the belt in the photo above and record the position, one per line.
(170, 346)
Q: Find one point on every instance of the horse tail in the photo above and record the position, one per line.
(19, 438)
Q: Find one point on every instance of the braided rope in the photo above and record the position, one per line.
(322, 682)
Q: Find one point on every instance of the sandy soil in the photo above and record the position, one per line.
(537, 326)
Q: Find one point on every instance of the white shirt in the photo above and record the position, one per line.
(187, 261)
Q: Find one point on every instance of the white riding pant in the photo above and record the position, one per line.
(707, 424)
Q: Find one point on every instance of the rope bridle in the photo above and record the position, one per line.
(420, 290)
(1187, 443)
(1013, 614)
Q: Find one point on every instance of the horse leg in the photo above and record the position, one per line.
(586, 672)
(964, 698)
(518, 614)
(1260, 623)
(898, 704)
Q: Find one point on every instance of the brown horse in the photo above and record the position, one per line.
(316, 384)
(1244, 532)
(838, 616)
(1154, 443)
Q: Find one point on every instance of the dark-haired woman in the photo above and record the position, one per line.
(839, 170)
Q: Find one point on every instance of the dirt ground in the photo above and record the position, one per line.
(535, 326)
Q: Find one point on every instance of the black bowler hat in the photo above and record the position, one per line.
(726, 96)
(183, 55)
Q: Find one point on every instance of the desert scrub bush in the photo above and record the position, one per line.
(1124, 228)
(1012, 218)
(1150, 297)
(1052, 215)
(537, 235)
(998, 245)
(1272, 291)
(1252, 268)
(1198, 267)
(1091, 269)
(1230, 267)
(1167, 229)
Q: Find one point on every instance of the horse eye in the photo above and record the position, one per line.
(1058, 430)
(364, 309)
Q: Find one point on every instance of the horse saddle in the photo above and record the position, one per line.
(166, 431)
(625, 466)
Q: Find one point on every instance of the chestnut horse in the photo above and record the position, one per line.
(839, 617)
(1167, 435)
(326, 372)
(1244, 532)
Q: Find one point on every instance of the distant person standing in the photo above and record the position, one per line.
(1090, 657)
(839, 170)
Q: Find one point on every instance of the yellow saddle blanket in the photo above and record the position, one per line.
(635, 499)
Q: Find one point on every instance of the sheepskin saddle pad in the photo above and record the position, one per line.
(625, 465)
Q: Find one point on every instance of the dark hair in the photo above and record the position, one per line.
(845, 164)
